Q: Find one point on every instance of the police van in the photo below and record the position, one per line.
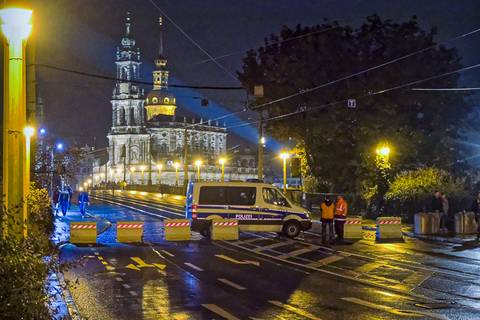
(256, 206)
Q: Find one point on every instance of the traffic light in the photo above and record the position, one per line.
(295, 164)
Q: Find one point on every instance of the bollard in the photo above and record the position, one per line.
(83, 232)
(225, 229)
(177, 229)
(352, 229)
(465, 223)
(389, 228)
(130, 231)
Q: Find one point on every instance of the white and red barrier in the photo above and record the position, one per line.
(389, 228)
(177, 229)
(352, 229)
(130, 231)
(83, 232)
(225, 229)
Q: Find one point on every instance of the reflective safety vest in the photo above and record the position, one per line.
(341, 210)
(327, 210)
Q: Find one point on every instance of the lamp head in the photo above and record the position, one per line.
(142, 168)
(222, 161)
(28, 132)
(16, 23)
(284, 155)
(132, 169)
(59, 146)
(159, 166)
(383, 151)
(176, 165)
(198, 163)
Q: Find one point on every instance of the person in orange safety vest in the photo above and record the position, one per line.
(328, 209)
(341, 210)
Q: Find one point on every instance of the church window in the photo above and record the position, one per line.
(154, 100)
(166, 100)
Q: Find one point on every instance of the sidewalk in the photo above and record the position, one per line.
(446, 238)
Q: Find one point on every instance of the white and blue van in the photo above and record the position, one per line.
(256, 206)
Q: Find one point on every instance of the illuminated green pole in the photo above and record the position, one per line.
(16, 27)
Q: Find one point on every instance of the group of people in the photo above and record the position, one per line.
(334, 215)
(62, 200)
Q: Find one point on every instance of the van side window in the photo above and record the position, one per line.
(213, 196)
(274, 197)
(241, 196)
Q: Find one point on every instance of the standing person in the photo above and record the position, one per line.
(55, 197)
(70, 194)
(83, 201)
(328, 209)
(444, 216)
(437, 206)
(63, 200)
(341, 210)
(476, 209)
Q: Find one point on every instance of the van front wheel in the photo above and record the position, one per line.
(291, 228)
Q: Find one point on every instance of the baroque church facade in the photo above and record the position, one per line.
(147, 139)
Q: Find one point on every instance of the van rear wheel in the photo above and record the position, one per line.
(291, 229)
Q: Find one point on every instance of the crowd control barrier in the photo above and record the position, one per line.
(130, 231)
(389, 228)
(83, 232)
(465, 223)
(177, 229)
(426, 223)
(352, 229)
(225, 229)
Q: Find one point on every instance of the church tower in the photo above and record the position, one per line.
(160, 101)
(128, 138)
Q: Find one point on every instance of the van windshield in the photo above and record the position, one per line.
(239, 196)
(272, 196)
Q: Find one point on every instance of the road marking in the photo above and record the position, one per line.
(231, 284)
(105, 263)
(133, 293)
(193, 266)
(168, 253)
(135, 209)
(100, 258)
(221, 312)
(406, 313)
(293, 309)
(126, 286)
(274, 245)
(142, 264)
(96, 253)
(368, 267)
(298, 252)
(224, 257)
(118, 279)
(325, 261)
(417, 278)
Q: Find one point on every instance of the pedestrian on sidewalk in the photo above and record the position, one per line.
(83, 201)
(328, 209)
(64, 200)
(341, 210)
(476, 210)
(70, 194)
(444, 215)
(55, 196)
(437, 207)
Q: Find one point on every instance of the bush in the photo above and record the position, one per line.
(25, 263)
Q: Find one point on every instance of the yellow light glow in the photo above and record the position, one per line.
(284, 155)
(85, 184)
(159, 166)
(142, 168)
(176, 165)
(143, 193)
(89, 181)
(28, 132)
(383, 151)
(222, 161)
(133, 192)
(80, 189)
(133, 169)
(263, 140)
(198, 163)
(16, 23)
(119, 171)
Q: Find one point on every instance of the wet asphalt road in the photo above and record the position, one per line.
(261, 276)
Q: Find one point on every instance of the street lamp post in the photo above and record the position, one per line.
(142, 170)
(198, 163)
(132, 172)
(383, 166)
(176, 165)
(28, 132)
(159, 167)
(222, 162)
(284, 156)
(16, 27)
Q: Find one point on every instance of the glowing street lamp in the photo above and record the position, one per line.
(132, 172)
(142, 170)
(176, 165)
(383, 151)
(16, 26)
(284, 156)
(159, 168)
(198, 163)
(59, 146)
(222, 162)
(28, 132)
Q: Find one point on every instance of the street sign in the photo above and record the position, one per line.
(352, 103)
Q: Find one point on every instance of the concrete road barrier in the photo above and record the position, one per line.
(389, 228)
(177, 229)
(130, 231)
(352, 229)
(83, 232)
(225, 229)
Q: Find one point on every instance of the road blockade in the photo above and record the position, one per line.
(177, 229)
(389, 228)
(352, 229)
(130, 231)
(83, 232)
(225, 229)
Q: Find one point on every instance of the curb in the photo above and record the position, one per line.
(67, 297)
(436, 238)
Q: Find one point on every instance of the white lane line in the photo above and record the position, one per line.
(149, 204)
(221, 312)
(135, 209)
(193, 266)
(325, 261)
(274, 245)
(231, 284)
(298, 252)
(133, 293)
(168, 253)
(126, 286)
(96, 253)
(395, 311)
(293, 309)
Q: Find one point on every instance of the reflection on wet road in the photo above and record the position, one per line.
(260, 276)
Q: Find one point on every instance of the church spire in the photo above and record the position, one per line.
(127, 24)
(160, 47)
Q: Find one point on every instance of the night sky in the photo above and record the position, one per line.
(83, 35)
